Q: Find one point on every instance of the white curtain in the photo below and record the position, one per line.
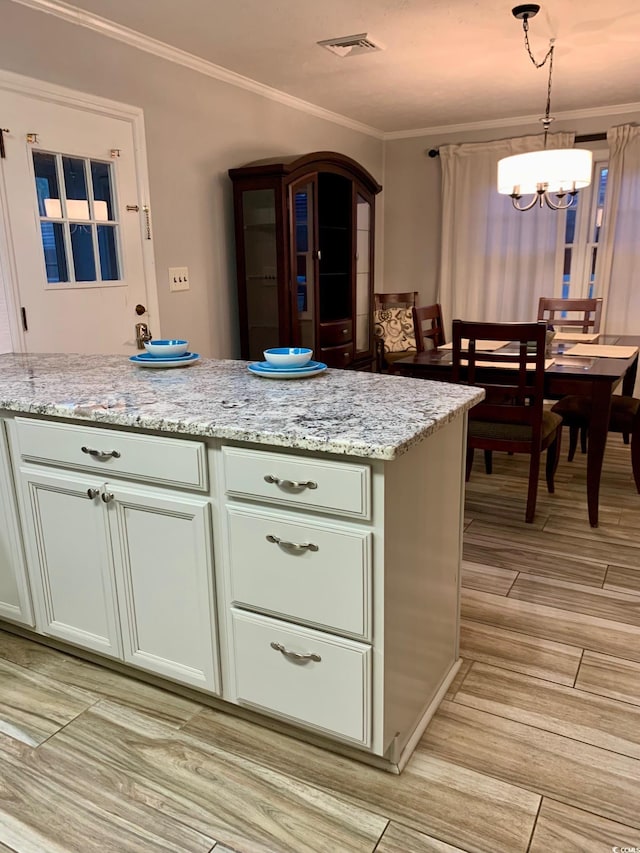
(496, 261)
(618, 262)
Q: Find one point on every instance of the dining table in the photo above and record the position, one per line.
(594, 376)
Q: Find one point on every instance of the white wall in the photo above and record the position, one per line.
(412, 199)
(197, 128)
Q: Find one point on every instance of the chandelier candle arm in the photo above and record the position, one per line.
(560, 171)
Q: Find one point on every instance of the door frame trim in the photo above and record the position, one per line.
(52, 93)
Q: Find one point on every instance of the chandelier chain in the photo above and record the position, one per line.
(546, 121)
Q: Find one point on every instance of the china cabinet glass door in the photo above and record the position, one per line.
(363, 273)
(303, 261)
(260, 263)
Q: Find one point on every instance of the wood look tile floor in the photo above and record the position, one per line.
(535, 749)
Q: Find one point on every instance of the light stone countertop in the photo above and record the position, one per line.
(338, 411)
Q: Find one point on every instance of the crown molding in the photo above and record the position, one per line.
(514, 121)
(73, 15)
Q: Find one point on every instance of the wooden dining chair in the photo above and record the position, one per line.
(511, 418)
(427, 320)
(393, 327)
(552, 310)
(575, 411)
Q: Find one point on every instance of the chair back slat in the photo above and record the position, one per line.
(434, 332)
(407, 299)
(551, 310)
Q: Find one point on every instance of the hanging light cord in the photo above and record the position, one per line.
(546, 121)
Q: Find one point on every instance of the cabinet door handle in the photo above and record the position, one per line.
(101, 454)
(292, 546)
(290, 484)
(107, 497)
(93, 493)
(295, 656)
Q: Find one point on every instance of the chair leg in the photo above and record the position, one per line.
(469, 465)
(583, 439)
(488, 461)
(573, 442)
(625, 437)
(553, 457)
(635, 457)
(534, 473)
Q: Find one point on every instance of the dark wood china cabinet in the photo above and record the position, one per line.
(304, 245)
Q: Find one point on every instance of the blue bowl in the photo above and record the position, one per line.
(288, 356)
(167, 347)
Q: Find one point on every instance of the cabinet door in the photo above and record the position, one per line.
(70, 559)
(364, 272)
(304, 261)
(164, 571)
(15, 600)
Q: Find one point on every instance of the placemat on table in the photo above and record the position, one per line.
(577, 336)
(600, 351)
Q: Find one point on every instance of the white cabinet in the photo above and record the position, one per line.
(15, 600)
(119, 568)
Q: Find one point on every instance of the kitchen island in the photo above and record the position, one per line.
(288, 548)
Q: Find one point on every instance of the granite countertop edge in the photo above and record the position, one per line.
(342, 412)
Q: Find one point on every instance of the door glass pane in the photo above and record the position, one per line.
(55, 256)
(75, 185)
(304, 269)
(44, 166)
(363, 273)
(101, 180)
(260, 262)
(108, 253)
(82, 247)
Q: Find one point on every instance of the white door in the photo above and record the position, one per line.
(76, 226)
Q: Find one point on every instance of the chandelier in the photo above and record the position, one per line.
(558, 171)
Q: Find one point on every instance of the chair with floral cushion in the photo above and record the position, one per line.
(393, 327)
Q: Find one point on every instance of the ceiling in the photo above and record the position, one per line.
(446, 62)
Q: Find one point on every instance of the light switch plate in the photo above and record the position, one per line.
(179, 278)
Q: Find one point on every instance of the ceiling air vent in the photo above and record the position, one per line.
(351, 45)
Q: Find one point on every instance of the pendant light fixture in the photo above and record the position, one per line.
(558, 171)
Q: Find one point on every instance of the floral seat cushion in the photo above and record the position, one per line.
(394, 327)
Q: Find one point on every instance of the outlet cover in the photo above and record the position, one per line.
(179, 278)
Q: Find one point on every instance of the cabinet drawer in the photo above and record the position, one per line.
(336, 487)
(327, 584)
(331, 693)
(336, 334)
(336, 356)
(168, 461)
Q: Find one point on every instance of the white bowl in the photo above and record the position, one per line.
(166, 348)
(288, 356)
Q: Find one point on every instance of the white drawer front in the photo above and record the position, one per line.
(332, 694)
(324, 486)
(327, 583)
(167, 461)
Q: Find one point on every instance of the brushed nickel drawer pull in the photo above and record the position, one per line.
(93, 493)
(101, 454)
(290, 484)
(107, 497)
(296, 656)
(292, 546)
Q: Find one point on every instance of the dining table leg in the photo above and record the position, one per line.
(598, 429)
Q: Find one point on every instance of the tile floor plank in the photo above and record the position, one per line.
(520, 652)
(623, 579)
(487, 578)
(610, 676)
(604, 603)
(33, 706)
(555, 766)
(570, 830)
(400, 839)
(461, 807)
(563, 626)
(241, 803)
(573, 713)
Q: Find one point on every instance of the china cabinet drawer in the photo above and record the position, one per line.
(317, 485)
(167, 461)
(310, 572)
(327, 687)
(336, 356)
(336, 334)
